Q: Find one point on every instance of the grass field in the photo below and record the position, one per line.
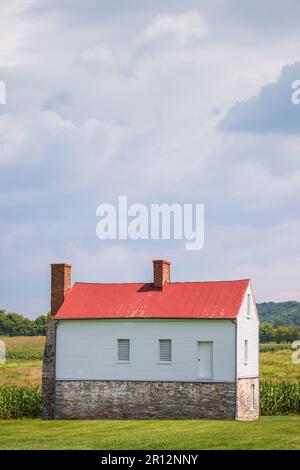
(24, 347)
(21, 372)
(278, 365)
(280, 432)
(24, 362)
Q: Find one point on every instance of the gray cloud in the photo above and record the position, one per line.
(271, 111)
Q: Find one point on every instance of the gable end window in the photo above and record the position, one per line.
(123, 350)
(165, 350)
(248, 305)
(246, 352)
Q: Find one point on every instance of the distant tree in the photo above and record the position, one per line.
(18, 325)
(3, 329)
(283, 334)
(13, 324)
(286, 334)
(266, 333)
(41, 325)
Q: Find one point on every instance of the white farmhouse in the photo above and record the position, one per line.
(155, 350)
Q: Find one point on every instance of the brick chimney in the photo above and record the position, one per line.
(161, 272)
(60, 285)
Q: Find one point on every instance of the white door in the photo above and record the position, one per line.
(205, 360)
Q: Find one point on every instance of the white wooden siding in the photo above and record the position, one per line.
(248, 329)
(87, 349)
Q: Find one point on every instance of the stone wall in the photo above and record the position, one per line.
(138, 400)
(247, 407)
(48, 378)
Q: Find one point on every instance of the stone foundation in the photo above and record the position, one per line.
(247, 401)
(142, 400)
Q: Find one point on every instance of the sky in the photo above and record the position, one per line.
(162, 101)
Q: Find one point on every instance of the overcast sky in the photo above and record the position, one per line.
(163, 101)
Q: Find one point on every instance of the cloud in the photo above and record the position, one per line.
(104, 101)
(272, 111)
(183, 27)
(13, 31)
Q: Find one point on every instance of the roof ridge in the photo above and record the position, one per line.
(172, 282)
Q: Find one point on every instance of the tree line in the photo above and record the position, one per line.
(280, 313)
(280, 321)
(280, 334)
(14, 324)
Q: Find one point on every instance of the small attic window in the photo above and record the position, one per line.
(248, 305)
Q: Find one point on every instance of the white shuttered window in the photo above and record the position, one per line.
(165, 350)
(123, 349)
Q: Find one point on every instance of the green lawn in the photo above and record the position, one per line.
(280, 432)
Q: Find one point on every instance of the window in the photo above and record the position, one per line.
(252, 396)
(165, 350)
(246, 352)
(123, 350)
(248, 305)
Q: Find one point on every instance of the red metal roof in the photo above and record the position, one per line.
(214, 299)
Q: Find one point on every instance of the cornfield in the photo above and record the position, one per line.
(277, 398)
(20, 402)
